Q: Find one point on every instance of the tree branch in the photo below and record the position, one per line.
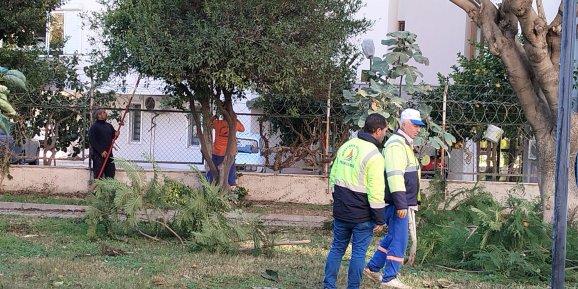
(540, 8)
(514, 57)
(554, 37)
(534, 29)
(471, 8)
(171, 230)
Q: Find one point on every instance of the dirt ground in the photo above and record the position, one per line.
(288, 209)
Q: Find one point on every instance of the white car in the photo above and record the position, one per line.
(249, 152)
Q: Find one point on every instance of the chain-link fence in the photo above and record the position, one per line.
(269, 143)
(494, 140)
(290, 138)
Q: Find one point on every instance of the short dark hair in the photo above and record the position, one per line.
(373, 122)
(97, 111)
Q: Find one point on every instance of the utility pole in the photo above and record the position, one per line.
(563, 144)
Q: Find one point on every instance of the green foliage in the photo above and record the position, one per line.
(382, 96)
(10, 79)
(24, 20)
(211, 52)
(472, 231)
(155, 208)
(51, 82)
(475, 82)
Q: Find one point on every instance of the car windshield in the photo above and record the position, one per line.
(247, 146)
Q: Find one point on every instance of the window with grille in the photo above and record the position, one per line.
(56, 33)
(401, 26)
(193, 139)
(135, 121)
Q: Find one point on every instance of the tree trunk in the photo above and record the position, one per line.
(533, 71)
(546, 147)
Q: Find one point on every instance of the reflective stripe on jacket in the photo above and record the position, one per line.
(402, 173)
(357, 180)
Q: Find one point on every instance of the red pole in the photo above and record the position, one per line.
(118, 129)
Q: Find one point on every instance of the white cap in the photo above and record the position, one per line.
(412, 115)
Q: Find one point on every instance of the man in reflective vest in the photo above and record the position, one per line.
(401, 194)
(357, 181)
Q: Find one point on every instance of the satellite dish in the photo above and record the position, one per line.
(150, 103)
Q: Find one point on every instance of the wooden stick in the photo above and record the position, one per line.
(285, 243)
(171, 230)
(457, 270)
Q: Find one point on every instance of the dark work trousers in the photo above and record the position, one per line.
(109, 168)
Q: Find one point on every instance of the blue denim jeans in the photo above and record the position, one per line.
(394, 244)
(360, 235)
(231, 178)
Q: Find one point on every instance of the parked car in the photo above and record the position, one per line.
(30, 152)
(26, 153)
(249, 152)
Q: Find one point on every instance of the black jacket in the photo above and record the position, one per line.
(100, 137)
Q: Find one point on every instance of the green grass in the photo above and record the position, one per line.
(42, 199)
(55, 253)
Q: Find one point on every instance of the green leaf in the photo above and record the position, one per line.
(449, 138)
(410, 78)
(4, 89)
(418, 141)
(389, 42)
(421, 59)
(379, 65)
(7, 108)
(361, 121)
(396, 58)
(5, 124)
(14, 82)
(17, 74)
(398, 101)
(425, 109)
(270, 275)
(348, 94)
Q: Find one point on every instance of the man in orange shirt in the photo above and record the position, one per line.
(221, 128)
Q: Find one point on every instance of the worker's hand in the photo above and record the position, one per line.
(402, 213)
(377, 228)
(103, 154)
(116, 133)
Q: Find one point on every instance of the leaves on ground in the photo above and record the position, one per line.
(270, 275)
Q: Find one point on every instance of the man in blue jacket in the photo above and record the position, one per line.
(357, 181)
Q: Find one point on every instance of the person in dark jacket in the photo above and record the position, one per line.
(357, 181)
(100, 137)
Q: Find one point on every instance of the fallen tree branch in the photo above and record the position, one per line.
(172, 231)
(148, 236)
(457, 270)
(285, 243)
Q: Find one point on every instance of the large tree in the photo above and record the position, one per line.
(210, 52)
(52, 82)
(532, 64)
(24, 20)
(53, 102)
